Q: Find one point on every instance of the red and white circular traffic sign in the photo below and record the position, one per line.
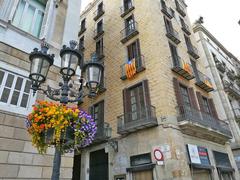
(158, 155)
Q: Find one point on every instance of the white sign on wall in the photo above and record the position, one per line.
(193, 154)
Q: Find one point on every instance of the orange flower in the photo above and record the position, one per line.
(42, 126)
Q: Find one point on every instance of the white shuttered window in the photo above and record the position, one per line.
(15, 92)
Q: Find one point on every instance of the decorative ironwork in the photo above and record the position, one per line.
(145, 118)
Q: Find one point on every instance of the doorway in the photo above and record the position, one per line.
(98, 165)
(143, 175)
(201, 174)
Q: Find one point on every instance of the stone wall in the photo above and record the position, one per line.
(18, 158)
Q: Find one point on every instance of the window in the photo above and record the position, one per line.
(99, 48)
(185, 96)
(100, 8)
(14, 92)
(194, 66)
(97, 112)
(174, 54)
(29, 16)
(134, 51)
(129, 25)
(188, 42)
(206, 105)
(136, 101)
(81, 43)
(100, 26)
(127, 4)
(83, 25)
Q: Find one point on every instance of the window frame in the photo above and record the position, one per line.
(8, 106)
(37, 9)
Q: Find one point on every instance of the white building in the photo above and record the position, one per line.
(23, 24)
(222, 67)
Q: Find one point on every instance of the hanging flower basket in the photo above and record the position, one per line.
(53, 124)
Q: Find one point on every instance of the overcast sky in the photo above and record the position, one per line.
(220, 18)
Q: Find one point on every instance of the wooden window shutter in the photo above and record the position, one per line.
(212, 108)
(126, 101)
(90, 110)
(146, 94)
(138, 53)
(100, 123)
(101, 111)
(200, 101)
(178, 95)
(193, 98)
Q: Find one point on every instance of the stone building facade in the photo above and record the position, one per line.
(23, 24)
(222, 67)
(155, 97)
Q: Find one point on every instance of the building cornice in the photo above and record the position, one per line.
(199, 27)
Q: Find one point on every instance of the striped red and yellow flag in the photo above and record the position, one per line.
(130, 68)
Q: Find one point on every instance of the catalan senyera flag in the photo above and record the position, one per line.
(130, 68)
(187, 68)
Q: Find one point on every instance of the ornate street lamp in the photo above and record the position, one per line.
(71, 58)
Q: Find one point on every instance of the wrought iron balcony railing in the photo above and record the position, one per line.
(167, 11)
(204, 120)
(129, 32)
(124, 10)
(173, 35)
(98, 13)
(220, 66)
(180, 8)
(231, 89)
(203, 82)
(193, 51)
(237, 114)
(82, 30)
(139, 63)
(134, 121)
(186, 28)
(103, 133)
(231, 75)
(182, 68)
(97, 33)
(103, 85)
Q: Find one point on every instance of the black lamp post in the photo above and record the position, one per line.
(71, 57)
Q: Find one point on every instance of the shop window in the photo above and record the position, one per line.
(29, 16)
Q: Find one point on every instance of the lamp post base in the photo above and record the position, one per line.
(56, 165)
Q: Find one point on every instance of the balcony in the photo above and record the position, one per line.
(145, 118)
(82, 30)
(203, 82)
(180, 8)
(231, 89)
(182, 68)
(140, 66)
(103, 133)
(98, 13)
(186, 28)
(126, 9)
(167, 11)
(231, 75)
(193, 51)
(102, 86)
(221, 67)
(98, 33)
(237, 115)
(173, 35)
(129, 32)
(100, 54)
(204, 126)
